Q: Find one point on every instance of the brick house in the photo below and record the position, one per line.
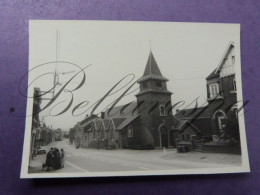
(216, 123)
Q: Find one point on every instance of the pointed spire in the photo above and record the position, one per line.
(152, 70)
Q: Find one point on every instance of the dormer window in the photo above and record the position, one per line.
(158, 84)
(214, 90)
(162, 110)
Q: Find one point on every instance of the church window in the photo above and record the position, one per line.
(130, 132)
(162, 110)
(221, 122)
(158, 84)
(145, 85)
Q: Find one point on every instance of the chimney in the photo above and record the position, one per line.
(102, 115)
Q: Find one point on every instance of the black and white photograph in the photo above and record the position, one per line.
(125, 98)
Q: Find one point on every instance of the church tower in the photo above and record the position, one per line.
(154, 104)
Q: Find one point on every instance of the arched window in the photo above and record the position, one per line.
(130, 131)
(162, 110)
(220, 116)
(144, 85)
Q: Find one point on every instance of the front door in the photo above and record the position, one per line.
(164, 137)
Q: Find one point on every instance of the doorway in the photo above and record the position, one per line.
(164, 136)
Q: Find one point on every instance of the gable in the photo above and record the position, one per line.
(224, 61)
(228, 67)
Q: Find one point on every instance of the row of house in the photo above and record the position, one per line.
(149, 123)
(41, 135)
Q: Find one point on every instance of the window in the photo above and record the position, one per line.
(233, 59)
(221, 122)
(162, 110)
(214, 89)
(101, 133)
(112, 133)
(187, 137)
(234, 85)
(158, 84)
(236, 112)
(145, 85)
(130, 132)
(94, 133)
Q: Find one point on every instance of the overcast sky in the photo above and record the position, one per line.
(185, 52)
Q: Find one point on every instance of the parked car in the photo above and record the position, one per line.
(41, 151)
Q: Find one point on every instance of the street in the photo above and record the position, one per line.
(93, 160)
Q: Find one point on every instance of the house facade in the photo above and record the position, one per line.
(222, 98)
(217, 123)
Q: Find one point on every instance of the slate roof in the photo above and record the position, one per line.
(117, 121)
(152, 70)
(181, 123)
(201, 112)
(97, 123)
(123, 111)
(126, 122)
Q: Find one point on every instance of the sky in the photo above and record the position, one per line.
(186, 54)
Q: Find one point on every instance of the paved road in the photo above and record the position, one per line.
(93, 160)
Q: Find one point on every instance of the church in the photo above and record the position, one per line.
(148, 122)
(141, 124)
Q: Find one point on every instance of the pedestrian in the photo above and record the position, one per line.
(56, 159)
(48, 161)
(164, 151)
(62, 157)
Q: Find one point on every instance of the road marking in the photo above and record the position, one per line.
(68, 155)
(143, 168)
(125, 164)
(112, 162)
(77, 167)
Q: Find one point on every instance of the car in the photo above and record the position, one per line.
(41, 151)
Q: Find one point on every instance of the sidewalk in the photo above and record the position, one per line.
(35, 165)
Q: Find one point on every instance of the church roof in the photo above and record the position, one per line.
(200, 112)
(127, 121)
(152, 70)
(123, 111)
(117, 122)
